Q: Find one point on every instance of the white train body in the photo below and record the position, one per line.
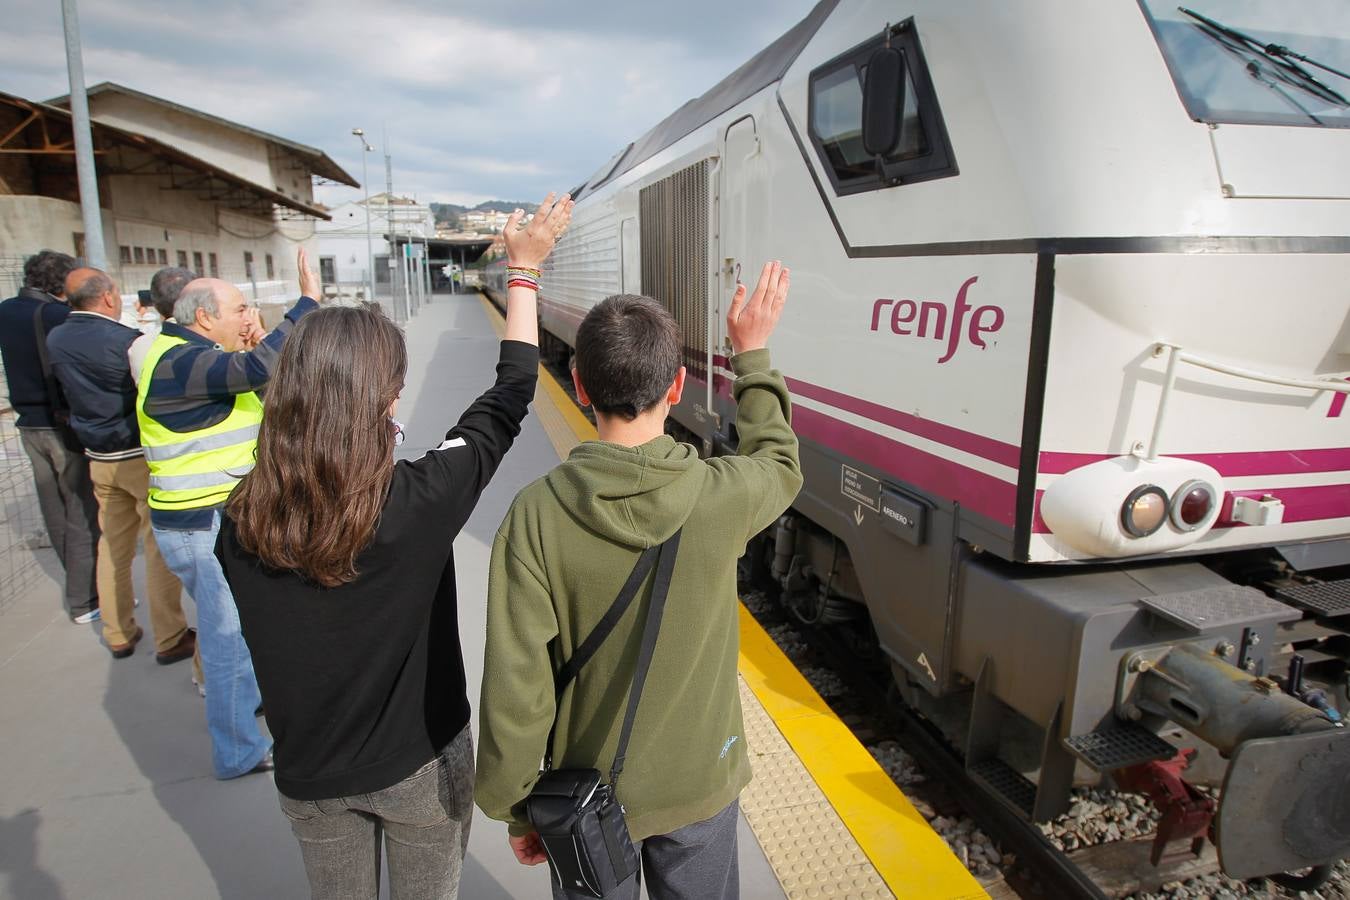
(911, 330)
(1104, 261)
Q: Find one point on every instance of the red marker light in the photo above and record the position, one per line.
(1193, 505)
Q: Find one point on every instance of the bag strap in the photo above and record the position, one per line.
(56, 398)
(665, 567)
(602, 630)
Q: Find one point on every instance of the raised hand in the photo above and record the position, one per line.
(749, 323)
(255, 333)
(309, 282)
(530, 246)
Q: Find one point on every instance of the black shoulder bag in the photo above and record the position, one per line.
(577, 816)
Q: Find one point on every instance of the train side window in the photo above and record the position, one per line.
(835, 116)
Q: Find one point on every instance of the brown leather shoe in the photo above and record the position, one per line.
(122, 651)
(186, 646)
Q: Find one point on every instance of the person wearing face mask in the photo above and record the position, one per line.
(199, 412)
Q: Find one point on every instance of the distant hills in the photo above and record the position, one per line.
(449, 213)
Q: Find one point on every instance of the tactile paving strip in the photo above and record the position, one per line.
(1327, 598)
(807, 844)
(1116, 748)
(1212, 609)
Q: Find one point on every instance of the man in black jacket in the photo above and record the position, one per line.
(89, 355)
(60, 468)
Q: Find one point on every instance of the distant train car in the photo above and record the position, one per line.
(1069, 348)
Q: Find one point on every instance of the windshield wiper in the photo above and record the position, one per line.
(1282, 56)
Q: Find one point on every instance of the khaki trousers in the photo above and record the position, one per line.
(121, 488)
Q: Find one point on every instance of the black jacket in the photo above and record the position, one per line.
(89, 355)
(18, 347)
(364, 683)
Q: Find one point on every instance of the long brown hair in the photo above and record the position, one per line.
(326, 446)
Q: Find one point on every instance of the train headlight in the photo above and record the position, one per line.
(1144, 510)
(1125, 506)
(1193, 505)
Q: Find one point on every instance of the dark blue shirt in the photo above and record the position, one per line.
(18, 348)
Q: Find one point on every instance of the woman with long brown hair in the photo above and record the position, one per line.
(340, 561)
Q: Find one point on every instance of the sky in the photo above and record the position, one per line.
(503, 100)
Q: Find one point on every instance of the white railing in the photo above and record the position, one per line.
(1337, 383)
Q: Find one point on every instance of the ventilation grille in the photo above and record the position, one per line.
(673, 215)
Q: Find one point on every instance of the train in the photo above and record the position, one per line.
(1069, 350)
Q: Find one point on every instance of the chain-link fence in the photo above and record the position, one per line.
(21, 528)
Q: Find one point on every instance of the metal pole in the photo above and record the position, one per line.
(400, 315)
(365, 183)
(84, 142)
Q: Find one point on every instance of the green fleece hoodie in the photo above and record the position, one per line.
(559, 559)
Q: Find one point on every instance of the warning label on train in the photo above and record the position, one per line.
(863, 488)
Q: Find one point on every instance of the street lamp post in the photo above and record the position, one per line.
(365, 183)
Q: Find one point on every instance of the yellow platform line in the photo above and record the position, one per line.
(912, 860)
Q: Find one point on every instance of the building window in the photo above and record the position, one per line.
(77, 238)
(248, 264)
(197, 262)
(271, 272)
(124, 255)
(163, 257)
(149, 256)
(835, 107)
(215, 266)
(140, 256)
(182, 259)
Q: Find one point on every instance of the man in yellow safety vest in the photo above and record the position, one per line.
(199, 412)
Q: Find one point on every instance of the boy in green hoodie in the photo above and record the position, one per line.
(565, 549)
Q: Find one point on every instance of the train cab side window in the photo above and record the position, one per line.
(836, 120)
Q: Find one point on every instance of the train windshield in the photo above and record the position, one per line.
(1258, 62)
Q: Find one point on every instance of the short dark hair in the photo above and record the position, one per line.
(165, 287)
(46, 270)
(87, 292)
(628, 353)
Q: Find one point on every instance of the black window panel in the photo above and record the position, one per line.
(834, 114)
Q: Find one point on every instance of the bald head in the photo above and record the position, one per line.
(215, 309)
(91, 290)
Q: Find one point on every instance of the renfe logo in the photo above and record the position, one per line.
(932, 317)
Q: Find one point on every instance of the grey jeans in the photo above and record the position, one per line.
(696, 862)
(423, 820)
(69, 510)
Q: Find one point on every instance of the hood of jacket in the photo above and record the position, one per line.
(635, 496)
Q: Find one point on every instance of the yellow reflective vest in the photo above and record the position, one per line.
(195, 469)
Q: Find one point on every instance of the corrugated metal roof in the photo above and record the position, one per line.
(324, 167)
(159, 148)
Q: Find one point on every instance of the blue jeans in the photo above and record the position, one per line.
(237, 744)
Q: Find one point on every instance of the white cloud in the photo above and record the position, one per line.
(476, 104)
